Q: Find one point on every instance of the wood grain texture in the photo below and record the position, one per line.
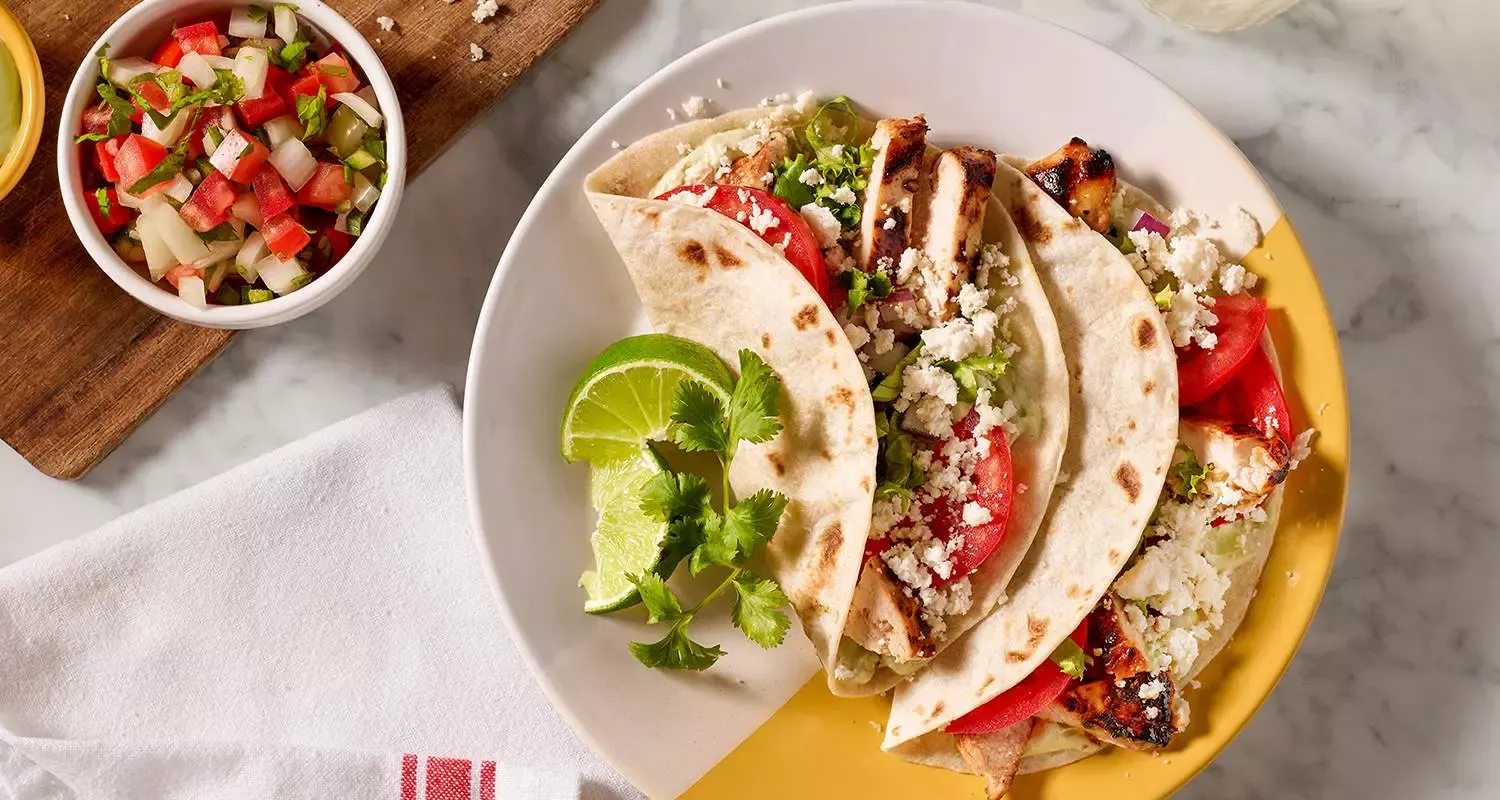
(81, 362)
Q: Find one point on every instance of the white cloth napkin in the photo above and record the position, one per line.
(314, 624)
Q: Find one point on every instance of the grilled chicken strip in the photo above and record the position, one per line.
(1080, 179)
(895, 178)
(1244, 465)
(996, 756)
(754, 170)
(883, 618)
(962, 179)
(1120, 700)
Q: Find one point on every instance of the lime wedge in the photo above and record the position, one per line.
(624, 398)
(626, 542)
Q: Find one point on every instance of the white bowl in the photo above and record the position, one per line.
(137, 33)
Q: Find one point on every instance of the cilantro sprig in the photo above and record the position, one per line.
(312, 111)
(708, 537)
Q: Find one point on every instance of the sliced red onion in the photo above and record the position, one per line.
(1146, 222)
(899, 296)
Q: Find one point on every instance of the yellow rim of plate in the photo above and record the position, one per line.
(33, 100)
(819, 745)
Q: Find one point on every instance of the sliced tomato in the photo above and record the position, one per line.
(994, 487)
(1253, 398)
(1022, 701)
(177, 273)
(263, 109)
(284, 236)
(169, 54)
(1200, 373)
(335, 72)
(201, 38)
(271, 193)
(96, 119)
(239, 156)
(136, 158)
(801, 248)
(154, 95)
(118, 216)
(326, 188)
(104, 156)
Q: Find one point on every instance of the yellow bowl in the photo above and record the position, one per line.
(29, 133)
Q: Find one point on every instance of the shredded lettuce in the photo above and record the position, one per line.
(889, 387)
(976, 372)
(1185, 475)
(841, 155)
(864, 286)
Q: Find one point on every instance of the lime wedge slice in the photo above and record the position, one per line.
(624, 398)
(626, 541)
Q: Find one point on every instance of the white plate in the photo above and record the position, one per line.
(560, 295)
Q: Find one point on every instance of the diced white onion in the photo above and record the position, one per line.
(123, 70)
(252, 250)
(279, 275)
(358, 105)
(191, 289)
(218, 251)
(169, 135)
(282, 128)
(196, 69)
(367, 94)
(365, 193)
(243, 27)
(251, 66)
(126, 198)
(208, 143)
(286, 24)
(184, 243)
(179, 188)
(226, 156)
(159, 258)
(247, 208)
(218, 62)
(295, 163)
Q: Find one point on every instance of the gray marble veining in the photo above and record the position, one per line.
(1374, 120)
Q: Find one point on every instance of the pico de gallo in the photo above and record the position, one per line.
(236, 163)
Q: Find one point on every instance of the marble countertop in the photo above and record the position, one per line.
(1374, 120)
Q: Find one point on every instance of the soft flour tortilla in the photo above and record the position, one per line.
(707, 278)
(1121, 436)
(1039, 387)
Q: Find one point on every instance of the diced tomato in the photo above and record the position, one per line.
(169, 54)
(1253, 397)
(118, 217)
(278, 81)
(215, 192)
(284, 236)
(177, 273)
(326, 188)
(96, 119)
(201, 38)
(136, 158)
(263, 109)
(1200, 373)
(271, 193)
(203, 119)
(1022, 701)
(308, 86)
(239, 156)
(335, 73)
(199, 217)
(801, 248)
(104, 156)
(154, 95)
(329, 247)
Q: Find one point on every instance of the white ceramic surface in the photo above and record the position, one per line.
(518, 485)
(1373, 120)
(137, 33)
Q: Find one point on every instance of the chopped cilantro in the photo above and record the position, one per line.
(1185, 475)
(101, 199)
(163, 172)
(120, 109)
(223, 232)
(864, 286)
(103, 54)
(92, 137)
(312, 111)
(215, 135)
(334, 70)
(257, 14)
(292, 56)
(354, 224)
(374, 145)
(1071, 659)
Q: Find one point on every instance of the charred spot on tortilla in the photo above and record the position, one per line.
(832, 340)
(864, 484)
(989, 680)
(695, 254)
(776, 463)
(651, 215)
(1130, 423)
(806, 317)
(829, 542)
(1129, 481)
(1036, 628)
(827, 454)
(1077, 591)
(1148, 387)
(1114, 555)
(1016, 657)
(843, 396)
(937, 708)
(765, 340)
(1033, 227)
(1145, 334)
(727, 260)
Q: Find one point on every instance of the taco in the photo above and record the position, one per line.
(1192, 567)
(927, 399)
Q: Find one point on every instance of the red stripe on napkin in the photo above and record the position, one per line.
(408, 777)
(486, 780)
(449, 778)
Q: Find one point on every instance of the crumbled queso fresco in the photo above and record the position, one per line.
(1191, 256)
(929, 403)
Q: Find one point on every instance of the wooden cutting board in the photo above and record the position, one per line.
(81, 362)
